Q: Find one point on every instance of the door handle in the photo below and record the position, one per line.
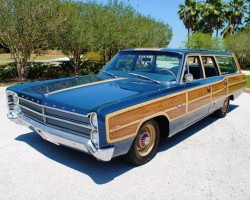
(225, 81)
(209, 88)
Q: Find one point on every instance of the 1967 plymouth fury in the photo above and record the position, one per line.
(140, 95)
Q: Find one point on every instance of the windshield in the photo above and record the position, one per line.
(160, 66)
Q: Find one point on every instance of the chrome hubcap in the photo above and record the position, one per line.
(144, 140)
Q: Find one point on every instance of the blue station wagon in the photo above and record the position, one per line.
(140, 95)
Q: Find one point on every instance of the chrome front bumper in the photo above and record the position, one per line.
(59, 137)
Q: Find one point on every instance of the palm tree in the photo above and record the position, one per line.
(247, 18)
(234, 14)
(189, 13)
(213, 15)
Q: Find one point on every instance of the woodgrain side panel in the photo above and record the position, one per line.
(197, 104)
(177, 112)
(146, 110)
(127, 131)
(198, 93)
(235, 87)
(236, 79)
(218, 86)
(219, 94)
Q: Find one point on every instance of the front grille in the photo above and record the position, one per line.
(56, 118)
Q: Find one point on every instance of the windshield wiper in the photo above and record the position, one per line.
(144, 77)
(109, 74)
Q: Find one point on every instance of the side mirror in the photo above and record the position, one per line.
(189, 77)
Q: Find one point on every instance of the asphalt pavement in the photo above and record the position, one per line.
(209, 160)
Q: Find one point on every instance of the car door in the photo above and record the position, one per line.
(198, 91)
(217, 83)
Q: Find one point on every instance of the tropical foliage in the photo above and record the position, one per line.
(189, 14)
(214, 15)
(204, 19)
(235, 15)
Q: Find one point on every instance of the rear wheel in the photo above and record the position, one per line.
(145, 144)
(222, 112)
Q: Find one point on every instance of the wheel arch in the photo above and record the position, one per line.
(162, 119)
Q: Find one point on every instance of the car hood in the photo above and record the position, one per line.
(85, 94)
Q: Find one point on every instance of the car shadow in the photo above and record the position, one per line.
(102, 172)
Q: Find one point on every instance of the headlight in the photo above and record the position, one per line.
(94, 133)
(93, 120)
(95, 138)
(15, 98)
(13, 104)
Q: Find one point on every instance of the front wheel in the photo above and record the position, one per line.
(144, 147)
(222, 112)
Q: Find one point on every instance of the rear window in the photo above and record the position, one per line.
(227, 65)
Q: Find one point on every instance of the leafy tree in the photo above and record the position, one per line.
(204, 41)
(116, 25)
(189, 14)
(25, 25)
(73, 36)
(150, 33)
(239, 44)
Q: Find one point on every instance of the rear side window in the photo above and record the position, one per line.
(227, 65)
(210, 66)
(195, 67)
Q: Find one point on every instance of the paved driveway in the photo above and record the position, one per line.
(210, 160)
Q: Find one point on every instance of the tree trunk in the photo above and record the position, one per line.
(22, 67)
(76, 60)
(188, 45)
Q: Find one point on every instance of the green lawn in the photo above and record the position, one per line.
(248, 82)
(6, 58)
(7, 84)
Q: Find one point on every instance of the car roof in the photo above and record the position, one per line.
(183, 51)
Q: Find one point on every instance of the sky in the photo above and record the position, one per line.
(165, 10)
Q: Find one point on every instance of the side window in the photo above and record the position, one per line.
(144, 63)
(227, 65)
(210, 66)
(195, 67)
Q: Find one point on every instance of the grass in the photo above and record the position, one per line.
(6, 58)
(248, 82)
(8, 84)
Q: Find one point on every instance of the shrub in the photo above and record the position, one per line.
(42, 71)
(239, 44)
(8, 71)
